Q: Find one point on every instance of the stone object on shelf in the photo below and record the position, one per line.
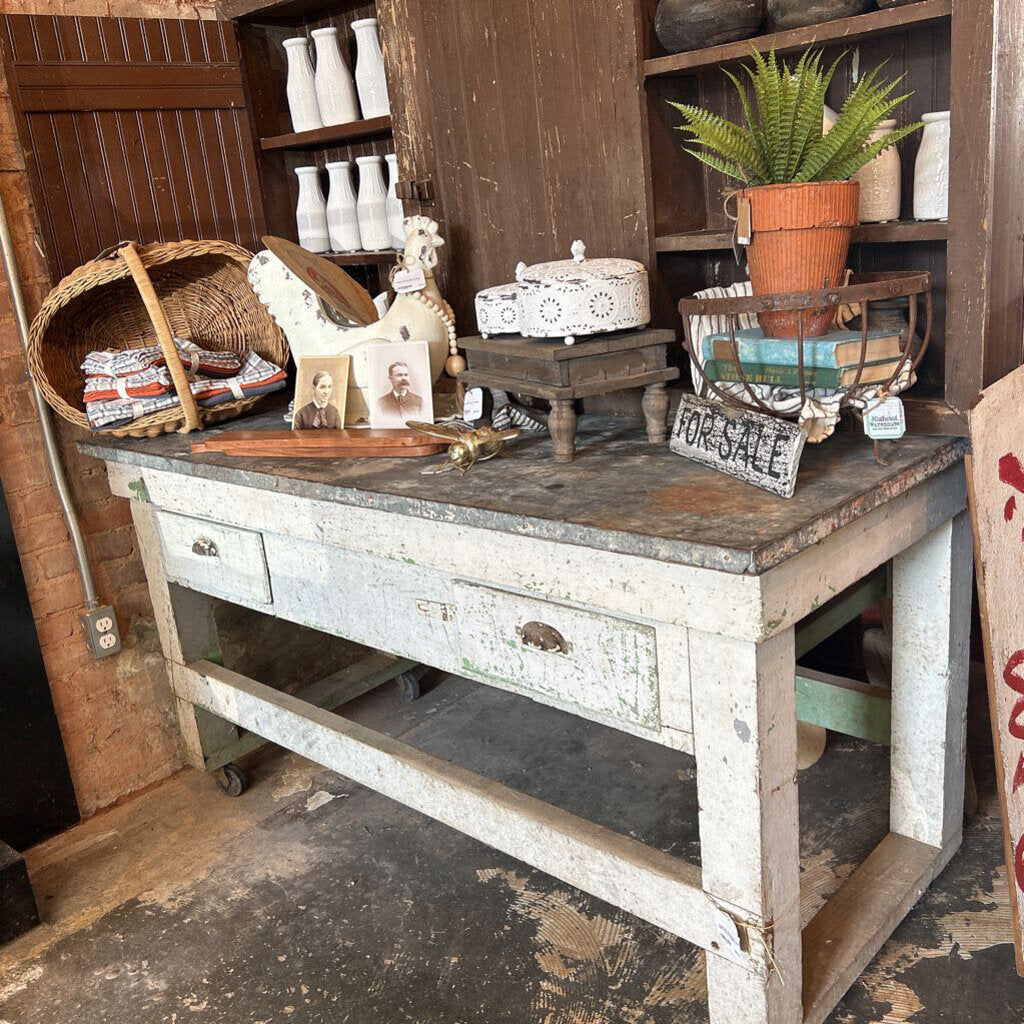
(931, 169)
(301, 86)
(311, 211)
(335, 90)
(342, 219)
(682, 25)
(786, 14)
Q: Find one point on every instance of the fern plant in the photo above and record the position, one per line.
(782, 140)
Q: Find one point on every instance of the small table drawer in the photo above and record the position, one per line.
(594, 661)
(224, 561)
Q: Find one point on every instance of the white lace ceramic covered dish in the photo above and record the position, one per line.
(497, 310)
(567, 298)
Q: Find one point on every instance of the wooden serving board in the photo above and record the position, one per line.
(322, 444)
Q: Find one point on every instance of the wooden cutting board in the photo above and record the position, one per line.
(321, 444)
(330, 282)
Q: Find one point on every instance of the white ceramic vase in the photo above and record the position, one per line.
(931, 171)
(301, 86)
(370, 79)
(335, 90)
(311, 211)
(396, 213)
(342, 220)
(371, 204)
(880, 182)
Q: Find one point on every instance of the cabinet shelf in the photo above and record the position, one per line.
(843, 30)
(894, 231)
(318, 138)
(381, 257)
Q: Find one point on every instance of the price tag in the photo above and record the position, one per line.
(886, 421)
(473, 404)
(408, 279)
(743, 228)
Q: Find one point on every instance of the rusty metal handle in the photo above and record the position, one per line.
(543, 637)
(205, 547)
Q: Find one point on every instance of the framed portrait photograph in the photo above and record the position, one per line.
(321, 387)
(401, 386)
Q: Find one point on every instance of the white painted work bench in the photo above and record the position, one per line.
(629, 587)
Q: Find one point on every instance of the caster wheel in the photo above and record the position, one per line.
(232, 780)
(408, 686)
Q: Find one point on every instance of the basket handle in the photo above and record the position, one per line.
(130, 255)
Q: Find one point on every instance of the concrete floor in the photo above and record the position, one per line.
(310, 899)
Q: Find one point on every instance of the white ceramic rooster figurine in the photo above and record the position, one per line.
(416, 316)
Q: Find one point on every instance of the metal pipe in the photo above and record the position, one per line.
(60, 481)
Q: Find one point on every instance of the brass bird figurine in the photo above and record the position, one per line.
(467, 446)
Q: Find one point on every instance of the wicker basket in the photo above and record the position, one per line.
(130, 296)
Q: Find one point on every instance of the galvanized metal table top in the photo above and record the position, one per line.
(622, 493)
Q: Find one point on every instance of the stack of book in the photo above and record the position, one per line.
(830, 361)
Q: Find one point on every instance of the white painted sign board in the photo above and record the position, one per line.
(995, 478)
(762, 450)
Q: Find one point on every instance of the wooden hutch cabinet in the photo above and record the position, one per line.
(523, 124)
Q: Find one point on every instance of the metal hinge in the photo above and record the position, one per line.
(420, 191)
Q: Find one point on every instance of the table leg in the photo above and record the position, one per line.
(562, 427)
(655, 408)
(744, 727)
(931, 617)
(188, 632)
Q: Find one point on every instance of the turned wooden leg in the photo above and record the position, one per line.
(655, 407)
(562, 427)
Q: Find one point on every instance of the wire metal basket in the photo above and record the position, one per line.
(859, 293)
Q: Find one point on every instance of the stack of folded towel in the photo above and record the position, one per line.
(123, 386)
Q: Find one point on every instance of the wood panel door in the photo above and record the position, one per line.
(525, 116)
(132, 129)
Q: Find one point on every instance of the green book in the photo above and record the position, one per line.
(789, 376)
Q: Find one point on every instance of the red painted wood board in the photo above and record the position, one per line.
(995, 479)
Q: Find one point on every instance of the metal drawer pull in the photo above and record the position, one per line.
(543, 637)
(204, 546)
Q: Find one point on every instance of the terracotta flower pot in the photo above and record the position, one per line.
(799, 242)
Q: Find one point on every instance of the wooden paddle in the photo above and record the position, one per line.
(328, 281)
(321, 444)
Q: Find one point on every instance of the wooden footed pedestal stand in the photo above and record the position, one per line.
(548, 368)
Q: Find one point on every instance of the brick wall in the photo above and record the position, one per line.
(115, 715)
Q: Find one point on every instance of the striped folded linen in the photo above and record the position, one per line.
(131, 361)
(256, 377)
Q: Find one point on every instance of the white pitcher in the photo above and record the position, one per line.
(342, 220)
(396, 213)
(311, 211)
(931, 171)
(370, 80)
(301, 87)
(335, 91)
(371, 205)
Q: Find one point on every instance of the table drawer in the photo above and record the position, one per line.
(224, 561)
(599, 662)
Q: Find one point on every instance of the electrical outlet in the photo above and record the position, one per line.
(101, 632)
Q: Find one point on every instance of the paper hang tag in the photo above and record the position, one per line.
(741, 230)
(886, 421)
(473, 404)
(408, 279)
